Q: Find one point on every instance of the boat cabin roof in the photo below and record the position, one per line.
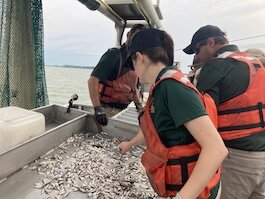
(126, 13)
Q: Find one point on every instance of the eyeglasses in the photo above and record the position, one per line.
(197, 48)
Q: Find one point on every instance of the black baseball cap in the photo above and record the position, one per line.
(203, 33)
(148, 38)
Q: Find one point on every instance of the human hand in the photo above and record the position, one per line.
(124, 147)
(190, 74)
(101, 116)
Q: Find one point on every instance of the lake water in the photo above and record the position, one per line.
(62, 83)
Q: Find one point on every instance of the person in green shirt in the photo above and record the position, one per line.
(176, 112)
(112, 84)
(226, 78)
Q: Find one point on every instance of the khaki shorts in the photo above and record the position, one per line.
(243, 175)
(111, 111)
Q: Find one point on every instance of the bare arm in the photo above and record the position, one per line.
(138, 139)
(212, 154)
(93, 86)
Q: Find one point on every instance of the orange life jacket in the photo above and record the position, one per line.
(121, 90)
(243, 115)
(168, 169)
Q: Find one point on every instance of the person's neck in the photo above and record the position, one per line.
(217, 49)
(153, 70)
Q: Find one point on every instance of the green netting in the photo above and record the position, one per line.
(22, 73)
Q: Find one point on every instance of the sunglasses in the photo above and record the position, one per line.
(198, 46)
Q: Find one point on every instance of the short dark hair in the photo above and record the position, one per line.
(160, 54)
(137, 27)
(156, 44)
(221, 39)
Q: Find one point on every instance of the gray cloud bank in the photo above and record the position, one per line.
(75, 35)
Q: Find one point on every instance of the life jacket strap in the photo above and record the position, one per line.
(174, 187)
(183, 162)
(241, 110)
(102, 94)
(239, 127)
(102, 91)
(258, 107)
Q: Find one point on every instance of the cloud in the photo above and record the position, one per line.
(239, 19)
(72, 31)
(76, 35)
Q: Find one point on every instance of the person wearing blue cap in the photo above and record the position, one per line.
(184, 150)
(235, 80)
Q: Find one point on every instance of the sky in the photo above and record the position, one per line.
(74, 35)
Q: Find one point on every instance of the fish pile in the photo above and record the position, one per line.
(93, 165)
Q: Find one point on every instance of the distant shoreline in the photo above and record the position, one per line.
(71, 66)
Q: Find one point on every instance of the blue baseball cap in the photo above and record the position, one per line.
(202, 34)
